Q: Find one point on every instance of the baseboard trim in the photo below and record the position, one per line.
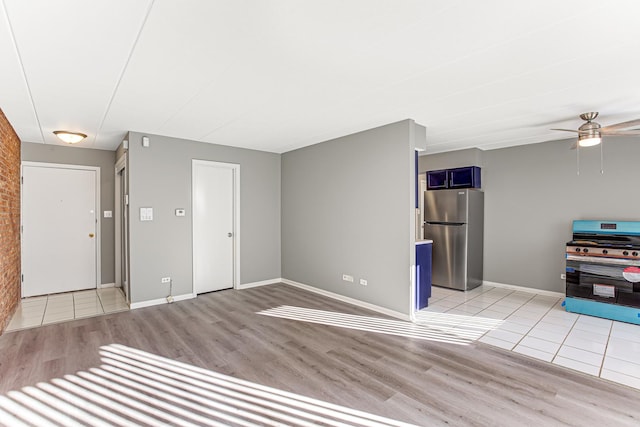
(260, 283)
(524, 289)
(348, 300)
(106, 285)
(142, 304)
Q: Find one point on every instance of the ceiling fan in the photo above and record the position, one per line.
(591, 133)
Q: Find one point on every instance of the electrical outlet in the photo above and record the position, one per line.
(563, 276)
(166, 279)
(347, 278)
(363, 282)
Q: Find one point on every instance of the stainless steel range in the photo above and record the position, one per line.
(603, 270)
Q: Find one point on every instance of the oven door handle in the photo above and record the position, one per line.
(603, 260)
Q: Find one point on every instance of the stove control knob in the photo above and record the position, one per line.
(577, 249)
(585, 250)
(634, 253)
(604, 251)
(625, 253)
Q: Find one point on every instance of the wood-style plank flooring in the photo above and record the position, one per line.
(418, 381)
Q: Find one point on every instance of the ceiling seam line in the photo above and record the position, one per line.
(476, 53)
(24, 74)
(124, 69)
(208, 133)
(506, 102)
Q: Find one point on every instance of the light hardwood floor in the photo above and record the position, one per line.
(416, 380)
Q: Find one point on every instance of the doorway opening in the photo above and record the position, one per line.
(122, 227)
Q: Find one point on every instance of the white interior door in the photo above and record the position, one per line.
(214, 233)
(59, 212)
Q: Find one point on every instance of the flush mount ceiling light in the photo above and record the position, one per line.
(70, 137)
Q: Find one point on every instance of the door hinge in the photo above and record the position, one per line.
(22, 180)
(22, 229)
(126, 199)
(22, 277)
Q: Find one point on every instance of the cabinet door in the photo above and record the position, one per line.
(467, 177)
(423, 275)
(437, 179)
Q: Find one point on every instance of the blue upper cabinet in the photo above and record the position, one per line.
(437, 180)
(466, 177)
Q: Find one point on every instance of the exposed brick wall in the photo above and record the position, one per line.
(9, 221)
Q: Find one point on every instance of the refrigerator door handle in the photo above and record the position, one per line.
(444, 223)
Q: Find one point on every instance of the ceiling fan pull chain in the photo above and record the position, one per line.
(578, 158)
(601, 158)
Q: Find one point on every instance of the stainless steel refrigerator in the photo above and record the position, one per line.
(454, 220)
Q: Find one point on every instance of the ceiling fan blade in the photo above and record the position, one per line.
(623, 125)
(586, 132)
(632, 132)
(621, 132)
(568, 130)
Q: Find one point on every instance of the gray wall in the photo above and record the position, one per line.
(120, 151)
(451, 159)
(532, 195)
(46, 153)
(160, 177)
(347, 209)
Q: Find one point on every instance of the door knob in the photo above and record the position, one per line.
(229, 234)
(91, 234)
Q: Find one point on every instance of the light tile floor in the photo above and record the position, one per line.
(538, 326)
(42, 310)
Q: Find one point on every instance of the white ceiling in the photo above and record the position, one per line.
(282, 74)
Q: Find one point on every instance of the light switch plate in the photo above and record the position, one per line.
(146, 214)
(108, 214)
(180, 212)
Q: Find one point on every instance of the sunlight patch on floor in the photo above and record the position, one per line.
(453, 329)
(133, 387)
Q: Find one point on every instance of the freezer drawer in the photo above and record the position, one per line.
(449, 267)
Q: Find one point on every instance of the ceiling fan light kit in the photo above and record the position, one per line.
(589, 133)
(589, 140)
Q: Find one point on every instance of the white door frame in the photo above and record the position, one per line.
(236, 218)
(96, 169)
(120, 165)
